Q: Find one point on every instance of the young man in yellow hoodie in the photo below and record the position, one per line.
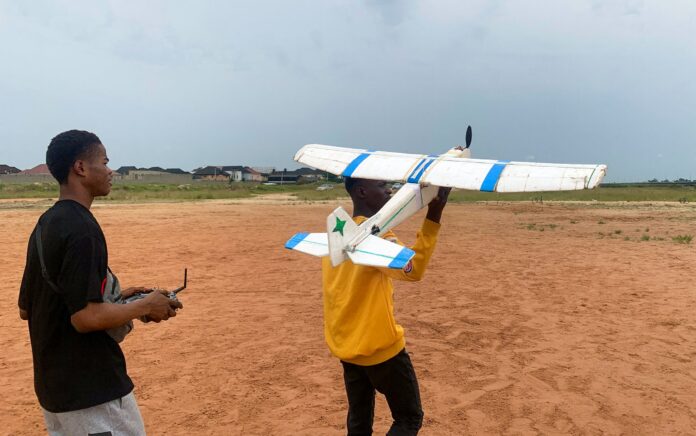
(359, 323)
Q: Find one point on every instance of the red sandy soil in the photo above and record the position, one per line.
(514, 330)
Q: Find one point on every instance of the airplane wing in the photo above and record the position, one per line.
(373, 251)
(316, 244)
(448, 171)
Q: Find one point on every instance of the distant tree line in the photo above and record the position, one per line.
(679, 181)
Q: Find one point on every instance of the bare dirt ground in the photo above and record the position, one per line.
(532, 319)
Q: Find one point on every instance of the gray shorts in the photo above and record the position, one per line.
(120, 417)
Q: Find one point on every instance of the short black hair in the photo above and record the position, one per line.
(65, 149)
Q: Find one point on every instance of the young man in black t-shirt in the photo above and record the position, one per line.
(80, 373)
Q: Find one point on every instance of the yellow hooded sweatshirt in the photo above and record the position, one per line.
(359, 324)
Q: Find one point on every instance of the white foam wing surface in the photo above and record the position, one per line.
(501, 176)
(375, 251)
(360, 163)
(450, 171)
(316, 244)
(530, 177)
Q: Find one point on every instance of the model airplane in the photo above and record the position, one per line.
(422, 176)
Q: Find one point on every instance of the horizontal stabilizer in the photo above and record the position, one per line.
(316, 244)
(378, 252)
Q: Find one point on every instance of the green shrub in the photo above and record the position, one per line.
(683, 239)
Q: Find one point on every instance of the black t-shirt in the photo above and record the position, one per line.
(72, 370)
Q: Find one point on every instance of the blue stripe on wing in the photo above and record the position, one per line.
(420, 169)
(491, 180)
(411, 177)
(401, 259)
(296, 239)
(350, 169)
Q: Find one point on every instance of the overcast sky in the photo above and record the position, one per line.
(192, 83)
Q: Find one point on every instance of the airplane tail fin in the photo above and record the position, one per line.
(371, 251)
(340, 228)
(341, 234)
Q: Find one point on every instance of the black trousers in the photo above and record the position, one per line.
(396, 380)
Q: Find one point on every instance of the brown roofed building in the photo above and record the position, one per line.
(251, 175)
(211, 173)
(39, 170)
(6, 169)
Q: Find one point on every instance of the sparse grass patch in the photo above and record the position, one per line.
(145, 192)
(601, 222)
(645, 237)
(540, 227)
(29, 190)
(683, 239)
(617, 232)
(605, 193)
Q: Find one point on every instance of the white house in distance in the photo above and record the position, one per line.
(251, 175)
(229, 173)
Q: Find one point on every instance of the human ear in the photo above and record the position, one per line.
(362, 192)
(79, 167)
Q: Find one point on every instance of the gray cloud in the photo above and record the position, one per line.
(184, 84)
(393, 12)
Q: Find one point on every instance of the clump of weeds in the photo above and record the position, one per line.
(540, 227)
(683, 239)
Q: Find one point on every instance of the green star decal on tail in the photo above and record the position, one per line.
(339, 226)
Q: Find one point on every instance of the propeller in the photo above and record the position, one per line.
(468, 136)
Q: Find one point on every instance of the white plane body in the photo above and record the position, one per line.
(422, 176)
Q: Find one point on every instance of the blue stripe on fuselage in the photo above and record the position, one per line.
(491, 180)
(350, 169)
